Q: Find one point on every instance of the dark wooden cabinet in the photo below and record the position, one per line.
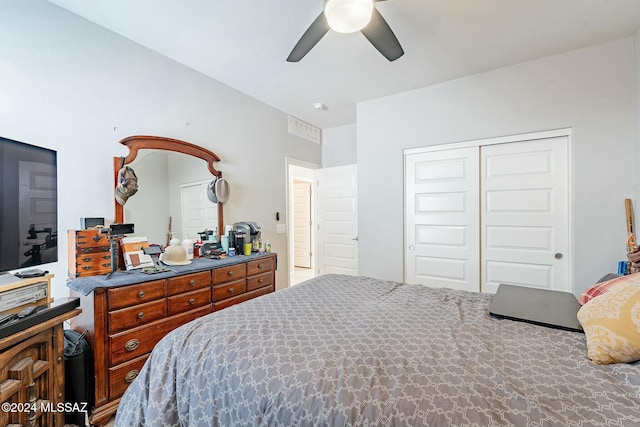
(124, 323)
(32, 374)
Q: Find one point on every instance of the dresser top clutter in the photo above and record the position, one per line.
(86, 285)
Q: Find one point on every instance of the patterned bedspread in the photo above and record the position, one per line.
(354, 351)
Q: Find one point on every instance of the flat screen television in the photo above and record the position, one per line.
(28, 205)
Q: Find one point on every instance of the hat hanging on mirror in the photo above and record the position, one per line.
(127, 184)
(222, 190)
(218, 190)
(211, 192)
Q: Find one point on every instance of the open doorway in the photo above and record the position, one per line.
(301, 220)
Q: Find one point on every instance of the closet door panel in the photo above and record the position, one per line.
(441, 218)
(524, 214)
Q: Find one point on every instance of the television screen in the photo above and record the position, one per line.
(28, 210)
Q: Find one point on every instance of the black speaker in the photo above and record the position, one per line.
(78, 376)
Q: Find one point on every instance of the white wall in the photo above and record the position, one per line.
(72, 86)
(589, 90)
(339, 146)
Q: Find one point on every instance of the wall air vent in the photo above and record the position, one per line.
(305, 130)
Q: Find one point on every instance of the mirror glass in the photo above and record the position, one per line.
(171, 192)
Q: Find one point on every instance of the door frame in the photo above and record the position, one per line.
(289, 161)
(565, 132)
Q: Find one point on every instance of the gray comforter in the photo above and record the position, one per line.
(353, 351)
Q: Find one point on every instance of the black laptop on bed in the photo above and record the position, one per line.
(554, 309)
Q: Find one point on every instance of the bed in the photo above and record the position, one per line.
(355, 351)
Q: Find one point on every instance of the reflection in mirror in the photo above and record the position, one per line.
(171, 196)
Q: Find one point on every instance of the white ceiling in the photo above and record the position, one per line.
(244, 43)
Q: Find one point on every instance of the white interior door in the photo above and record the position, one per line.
(525, 214)
(442, 219)
(198, 212)
(337, 218)
(302, 224)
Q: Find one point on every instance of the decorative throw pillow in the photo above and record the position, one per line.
(605, 284)
(611, 323)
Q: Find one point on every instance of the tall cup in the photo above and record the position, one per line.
(225, 243)
(247, 248)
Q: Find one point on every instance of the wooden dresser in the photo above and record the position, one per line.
(123, 323)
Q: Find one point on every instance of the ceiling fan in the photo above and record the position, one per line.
(348, 16)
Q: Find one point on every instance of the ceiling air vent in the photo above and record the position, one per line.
(305, 130)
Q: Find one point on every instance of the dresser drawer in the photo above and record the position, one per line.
(189, 282)
(188, 301)
(259, 281)
(229, 289)
(138, 315)
(225, 274)
(90, 265)
(122, 375)
(260, 266)
(241, 298)
(126, 296)
(90, 238)
(131, 344)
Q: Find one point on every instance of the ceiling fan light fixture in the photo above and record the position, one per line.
(348, 16)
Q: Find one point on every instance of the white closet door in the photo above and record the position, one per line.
(525, 214)
(442, 219)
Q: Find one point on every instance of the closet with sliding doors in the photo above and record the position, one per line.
(482, 213)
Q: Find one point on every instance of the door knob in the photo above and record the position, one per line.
(411, 247)
(355, 238)
(558, 255)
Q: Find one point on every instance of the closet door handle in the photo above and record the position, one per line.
(412, 247)
(558, 255)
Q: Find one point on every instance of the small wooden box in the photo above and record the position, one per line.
(88, 253)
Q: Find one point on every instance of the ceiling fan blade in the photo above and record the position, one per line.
(314, 33)
(382, 38)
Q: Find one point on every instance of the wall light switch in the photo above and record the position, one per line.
(281, 228)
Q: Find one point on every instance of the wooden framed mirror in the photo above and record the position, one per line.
(163, 144)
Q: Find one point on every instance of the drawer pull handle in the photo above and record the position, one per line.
(106, 265)
(260, 266)
(231, 290)
(192, 282)
(97, 237)
(231, 273)
(131, 375)
(141, 315)
(260, 280)
(131, 345)
(87, 258)
(141, 294)
(87, 267)
(192, 301)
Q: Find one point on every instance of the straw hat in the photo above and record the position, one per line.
(175, 255)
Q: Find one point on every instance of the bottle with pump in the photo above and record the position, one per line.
(174, 240)
(187, 244)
